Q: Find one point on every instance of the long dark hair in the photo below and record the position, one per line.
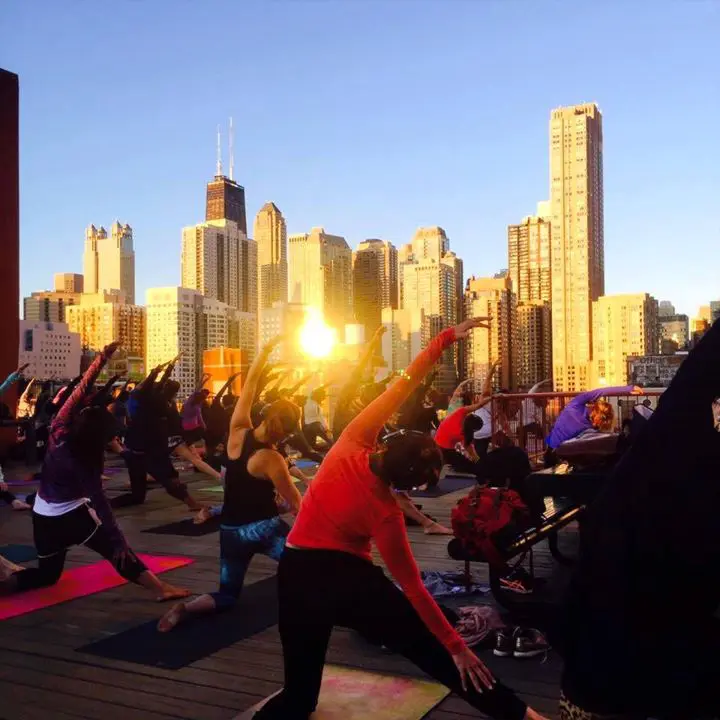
(90, 431)
(409, 459)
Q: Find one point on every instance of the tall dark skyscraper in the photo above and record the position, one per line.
(226, 201)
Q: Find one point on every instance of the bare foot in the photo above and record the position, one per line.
(202, 516)
(170, 592)
(531, 714)
(105, 478)
(437, 529)
(8, 568)
(20, 505)
(172, 617)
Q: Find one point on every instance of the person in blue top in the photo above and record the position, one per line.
(587, 411)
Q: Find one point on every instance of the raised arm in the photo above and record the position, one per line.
(366, 426)
(11, 379)
(218, 397)
(487, 385)
(62, 419)
(593, 395)
(240, 419)
(299, 384)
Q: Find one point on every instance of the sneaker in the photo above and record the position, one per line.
(529, 643)
(504, 642)
(518, 581)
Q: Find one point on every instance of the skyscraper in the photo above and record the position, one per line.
(530, 272)
(109, 262)
(102, 318)
(578, 248)
(68, 282)
(270, 233)
(225, 200)
(320, 269)
(624, 326)
(405, 337)
(219, 261)
(180, 320)
(430, 278)
(375, 282)
(494, 298)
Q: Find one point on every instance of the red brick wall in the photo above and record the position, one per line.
(9, 233)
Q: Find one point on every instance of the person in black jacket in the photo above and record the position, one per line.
(641, 636)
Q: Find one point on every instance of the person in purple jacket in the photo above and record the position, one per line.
(587, 411)
(71, 507)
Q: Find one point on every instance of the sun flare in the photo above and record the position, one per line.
(316, 338)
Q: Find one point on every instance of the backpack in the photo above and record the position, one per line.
(488, 520)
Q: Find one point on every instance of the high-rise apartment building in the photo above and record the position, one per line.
(674, 330)
(109, 261)
(375, 282)
(283, 319)
(50, 350)
(270, 233)
(578, 247)
(405, 337)
(494, 298)
(225, 200)
(68, 283)
(102, 318)
(530, 273)
(219, 261)
(432, 282)
(49, 305)
(533, 344)
(623, 326)
(666, 308)
(320, 269)
(181, 320)
(529, 260)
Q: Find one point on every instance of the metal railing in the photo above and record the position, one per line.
(526, 420)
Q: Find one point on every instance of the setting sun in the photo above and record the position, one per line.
(316, 338)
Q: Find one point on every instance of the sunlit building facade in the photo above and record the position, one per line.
(578, 246)
(109, 261)
(375, 282)
(270, 233)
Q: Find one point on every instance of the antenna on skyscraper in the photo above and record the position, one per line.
(218, 169)
(232, 156)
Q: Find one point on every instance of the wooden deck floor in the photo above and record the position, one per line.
(42, 675)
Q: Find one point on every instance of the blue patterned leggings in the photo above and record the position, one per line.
(238, 545)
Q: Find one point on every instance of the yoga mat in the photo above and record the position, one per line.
(18, 553)
(305, 463)
(186, 528)
(213, 489)
(197, 638)
(349, 694)
(450, 483)
(79, 582)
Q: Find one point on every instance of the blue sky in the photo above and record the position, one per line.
(369, 118)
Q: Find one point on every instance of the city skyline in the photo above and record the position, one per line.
(322, 168)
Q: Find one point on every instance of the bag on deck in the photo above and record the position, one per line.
(488, 520)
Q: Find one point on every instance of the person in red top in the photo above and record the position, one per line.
(326, 576)
(459, 428)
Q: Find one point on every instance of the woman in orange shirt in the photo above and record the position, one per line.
(326, 576)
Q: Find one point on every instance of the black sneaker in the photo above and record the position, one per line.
(504, 643)
(529, 643)
(518, 581)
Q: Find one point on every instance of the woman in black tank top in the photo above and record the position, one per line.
(256, 473)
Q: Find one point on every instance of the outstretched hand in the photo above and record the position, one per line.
(637, 391)
(108, 350)
(21, 368)
(471, 667)
(463, 329)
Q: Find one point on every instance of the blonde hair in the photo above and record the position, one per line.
(602, 415)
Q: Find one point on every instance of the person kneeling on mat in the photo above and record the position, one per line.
(71, 507)
(250, 517)
(326, 576)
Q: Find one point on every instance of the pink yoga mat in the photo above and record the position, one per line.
(79, 582)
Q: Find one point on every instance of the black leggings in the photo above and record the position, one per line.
(160, 467)
(319, 589)
(299, 442)
(7, 496)
(457, 461)
(54, 535)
